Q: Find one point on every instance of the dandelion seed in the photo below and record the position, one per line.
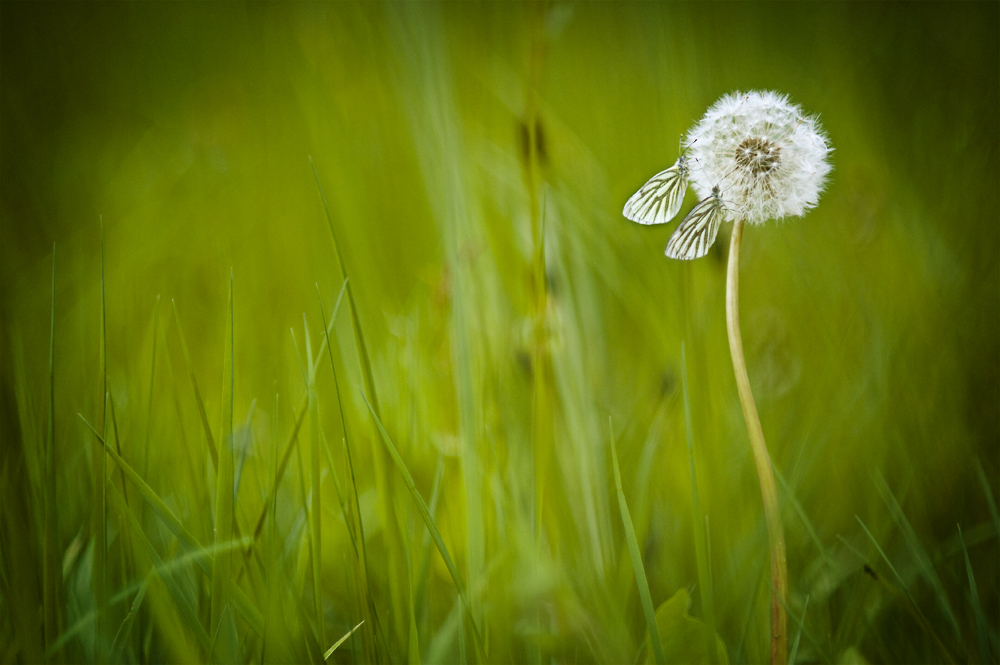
(766, 157)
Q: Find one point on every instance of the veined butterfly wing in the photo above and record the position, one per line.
(659, 200)
(695, 235)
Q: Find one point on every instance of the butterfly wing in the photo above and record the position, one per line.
(695, 235)
(659, 200)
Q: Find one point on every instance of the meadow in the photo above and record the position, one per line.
(323, 336)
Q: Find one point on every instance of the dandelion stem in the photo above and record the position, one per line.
(775, 532)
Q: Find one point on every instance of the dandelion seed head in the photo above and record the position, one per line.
(765, 156)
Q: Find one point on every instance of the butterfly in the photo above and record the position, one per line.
(695, 235)
(659, 200)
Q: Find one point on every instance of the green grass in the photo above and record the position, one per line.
(428, 197)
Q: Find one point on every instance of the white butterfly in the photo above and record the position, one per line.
(659, 200)
(695, 235)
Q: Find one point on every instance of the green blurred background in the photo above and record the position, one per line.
(449, 140)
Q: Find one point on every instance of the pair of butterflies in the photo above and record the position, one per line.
(659, 201)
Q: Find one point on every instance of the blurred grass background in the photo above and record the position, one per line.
(475, 159)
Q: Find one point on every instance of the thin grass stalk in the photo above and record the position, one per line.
(197, 393)
(432, 527)
(380, 459)
(124, 549)
(149, 428)
(207, 428)
(118, 445)
(315, 521)
(420, 593)
(167, 516)
(196, 551)
(990, 501)
(252, 559)
(804, 518)
(982, 634)
(312, 514)
(221, 558)
(361, 551)
(698, 525)
(798, 635)
(346, 509)
(104, 534)
(413, 643)
(314, 509)
(271, 608)
(280, 471)
(359, 335)
(149, 406)
(98, 471)
(906, 598)
(645, 597)
(122, 636)
(167, 576)
(329, 652)
(769, 491)
(50, 571)
(920, 555)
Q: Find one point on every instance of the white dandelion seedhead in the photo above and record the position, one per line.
(764, 155)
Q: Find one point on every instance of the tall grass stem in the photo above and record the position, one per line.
(50, 570)
(699, 522)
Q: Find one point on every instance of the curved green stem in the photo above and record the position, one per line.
(772, 512)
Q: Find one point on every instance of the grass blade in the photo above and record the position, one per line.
(420, 593)
(990, 500)
(383, 486)
(50, 564)
(697, 521)
(168, 579)
(907, 600)
(359, 335)
(159, 507)
(100, 470)
(228, 651)
(282, 465)
(798, 635)
(245, 444)
(359, 538)
(428, 520)
(803, 517)
(885, 558)
(197, 393)
(329, 652)
(981, 631)
(316, 512)
(345, 510)
(123, 632)
(314, 509)
(245, 606)
(221, 560)
(158, 567)
(290, 445)
(272, 617)
(152, 376)
(633, 550)
(918, 553)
